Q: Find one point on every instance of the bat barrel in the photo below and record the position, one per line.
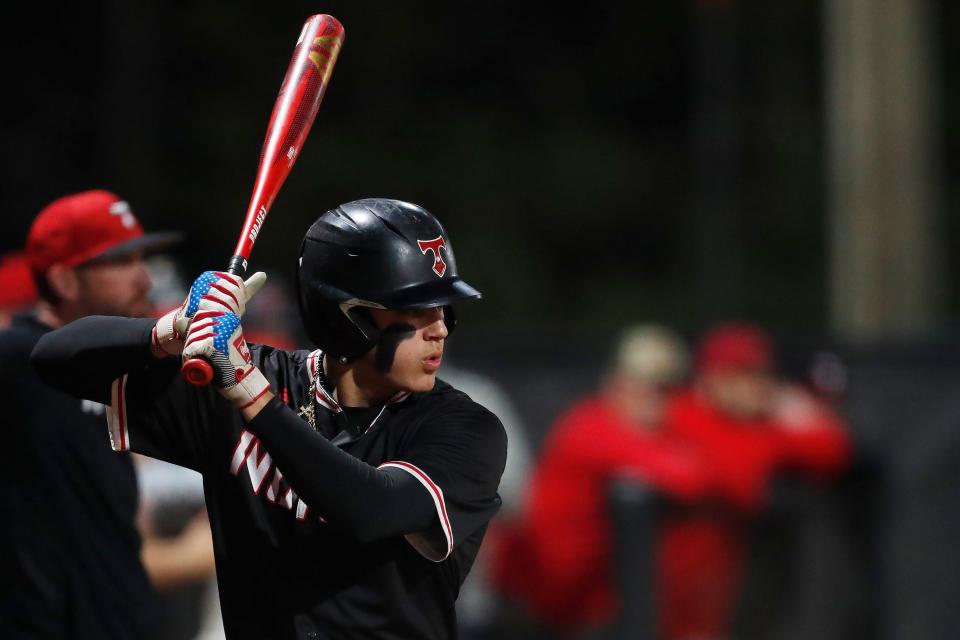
(300, 95)
(301, 92)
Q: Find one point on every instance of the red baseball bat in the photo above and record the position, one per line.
(300, 94)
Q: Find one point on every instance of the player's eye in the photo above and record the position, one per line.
(425, 316)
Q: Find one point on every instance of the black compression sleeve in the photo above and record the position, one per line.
(370, 504)
(85, 356)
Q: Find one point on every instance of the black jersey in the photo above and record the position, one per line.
(293, 562)
(69, 549)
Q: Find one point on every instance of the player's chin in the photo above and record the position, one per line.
(422, 381)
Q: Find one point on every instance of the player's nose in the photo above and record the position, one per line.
(437, 327)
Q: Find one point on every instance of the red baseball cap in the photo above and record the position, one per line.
(735, 346)
(16, 284)
(87, 226)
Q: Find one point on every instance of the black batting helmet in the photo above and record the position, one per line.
(372, 253)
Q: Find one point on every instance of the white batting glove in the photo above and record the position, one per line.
(170, 332)
(211, 291)
(218, 337)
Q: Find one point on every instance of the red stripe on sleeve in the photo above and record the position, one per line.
(436, 494)
(122, 411)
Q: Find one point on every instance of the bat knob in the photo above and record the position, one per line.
(197, 372)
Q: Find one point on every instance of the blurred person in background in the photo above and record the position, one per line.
(17, 291)
(177, 551)
(559, 562)
(751, 422)
(750, 427)
(70, 557)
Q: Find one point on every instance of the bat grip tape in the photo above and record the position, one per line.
(237, 266)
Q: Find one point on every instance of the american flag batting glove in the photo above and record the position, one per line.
(221, 291)
(218, 337)
(211, 291)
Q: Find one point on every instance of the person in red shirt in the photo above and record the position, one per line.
(748, 426)
(560, 562)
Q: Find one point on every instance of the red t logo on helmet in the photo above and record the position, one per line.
(439, 266)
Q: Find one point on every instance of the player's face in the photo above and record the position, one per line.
(419, 354)
(741, 393)
(115, 288)
(641, 403)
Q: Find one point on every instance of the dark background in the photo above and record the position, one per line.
(560, 148)
(623, 162)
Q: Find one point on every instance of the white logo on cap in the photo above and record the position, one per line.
(122, 208)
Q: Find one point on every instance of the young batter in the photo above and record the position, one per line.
(348, 489)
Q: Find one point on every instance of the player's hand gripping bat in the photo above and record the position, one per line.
(293, 113)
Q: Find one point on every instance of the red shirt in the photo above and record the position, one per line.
(715, 468)
(565, 553)
(702, 548)
(743, 455)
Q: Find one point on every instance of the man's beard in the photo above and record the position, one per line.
(136, 308)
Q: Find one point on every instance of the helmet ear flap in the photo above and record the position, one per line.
(345, 332)
(363, 320)
(449, 318)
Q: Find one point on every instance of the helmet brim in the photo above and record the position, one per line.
(438, 293)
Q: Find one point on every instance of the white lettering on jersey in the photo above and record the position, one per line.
(259, 465)
(282, 489)
(89, 406)
(242, 451)
(302, 510)
(250, 454)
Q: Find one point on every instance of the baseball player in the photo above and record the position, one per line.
(348, 488)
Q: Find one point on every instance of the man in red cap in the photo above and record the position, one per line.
(86, 252)
(747, 426)
(69, 547)
(751, 422)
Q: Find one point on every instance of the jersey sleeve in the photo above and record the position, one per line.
(108, 359)
(457, 455)
(155, 413)
(812, 437)
(823, 449)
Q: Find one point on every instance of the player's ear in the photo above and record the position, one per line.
(64, 282)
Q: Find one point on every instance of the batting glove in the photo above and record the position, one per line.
(218, 337)
(169, 333)
(221, 291)
(211, 291)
